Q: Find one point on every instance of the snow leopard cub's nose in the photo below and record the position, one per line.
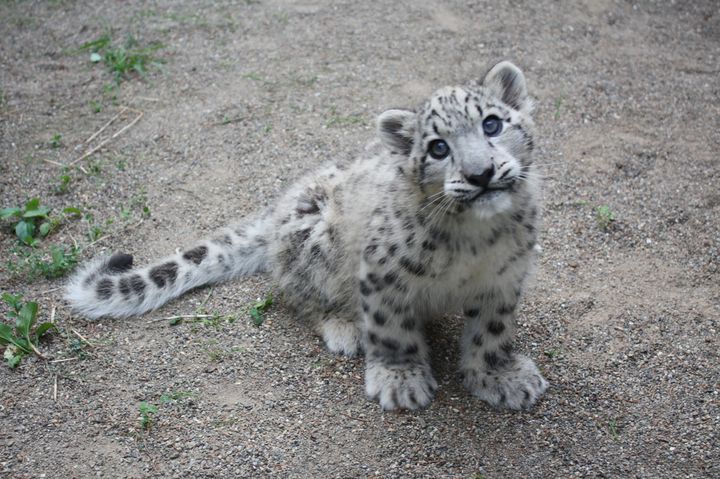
(482, 179)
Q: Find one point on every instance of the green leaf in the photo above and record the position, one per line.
(13, 356)
(71, 210)
(13, 300)
(265, 304)
(23, 345)
(96, 45)
(41, 211)
(256, 316)
(42, 329)
(25, 319)
(147, 408)
(6, 334)
(24, 230)
(45, 228)
(8, 212)
(32, 204)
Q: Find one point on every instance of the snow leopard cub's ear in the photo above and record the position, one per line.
(507, 82)
(397, 130)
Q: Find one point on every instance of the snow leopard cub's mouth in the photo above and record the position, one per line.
(485, 194)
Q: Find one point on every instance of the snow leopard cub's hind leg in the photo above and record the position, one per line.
(490, 368)
(309, 257)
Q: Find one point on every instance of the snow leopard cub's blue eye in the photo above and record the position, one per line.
(438, 149)
(492, 125)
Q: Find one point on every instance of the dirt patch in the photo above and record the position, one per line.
(623, 317)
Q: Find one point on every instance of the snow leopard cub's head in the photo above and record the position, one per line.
(468, 147)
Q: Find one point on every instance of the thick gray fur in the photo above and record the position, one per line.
(372, 250)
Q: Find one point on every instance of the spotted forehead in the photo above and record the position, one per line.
(454, 109)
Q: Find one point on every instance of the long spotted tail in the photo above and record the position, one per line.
(112, 287)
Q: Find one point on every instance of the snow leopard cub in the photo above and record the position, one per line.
(441, 218)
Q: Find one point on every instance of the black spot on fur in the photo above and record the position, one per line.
(506, 309)
(412, 267)
(365, 290)
(477, 340)
(365, 306)
(104, 288)
(440, 235)
(125, 287)
(390, 277)
(410, 240)
(90, 279)
(496, 327)
(195, 255)
(472, 313)
(137, 283)
(300, 237)
(379, 318)
(492, 360)
(408, 324)
(428, 245)
(412, 349)
(369, 251)
(165, 273)
(507, 348)
(392, 249)
(119, 263)
(373, 338)
(390, 344)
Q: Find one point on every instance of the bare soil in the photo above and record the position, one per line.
(623, 317)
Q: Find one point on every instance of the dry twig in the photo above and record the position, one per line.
(182, 316)
(107, 140)
(82, 338)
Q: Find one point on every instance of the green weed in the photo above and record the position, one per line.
(253, 76)
(123, 60)
(258, 310)
(24, 339)
(35, 264)
(93, 166)
(63, 185)
(77, 348)
(147, 411)
(614, 429)
(604, 217)
(139, 202)
(56, 140)
(33, 221)
(558, 104)
(340, 120)
(96, 106)
(171, 396)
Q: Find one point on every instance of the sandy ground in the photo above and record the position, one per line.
(623, 317)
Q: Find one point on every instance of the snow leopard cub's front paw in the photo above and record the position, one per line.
(516, 386)
(400, 387)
